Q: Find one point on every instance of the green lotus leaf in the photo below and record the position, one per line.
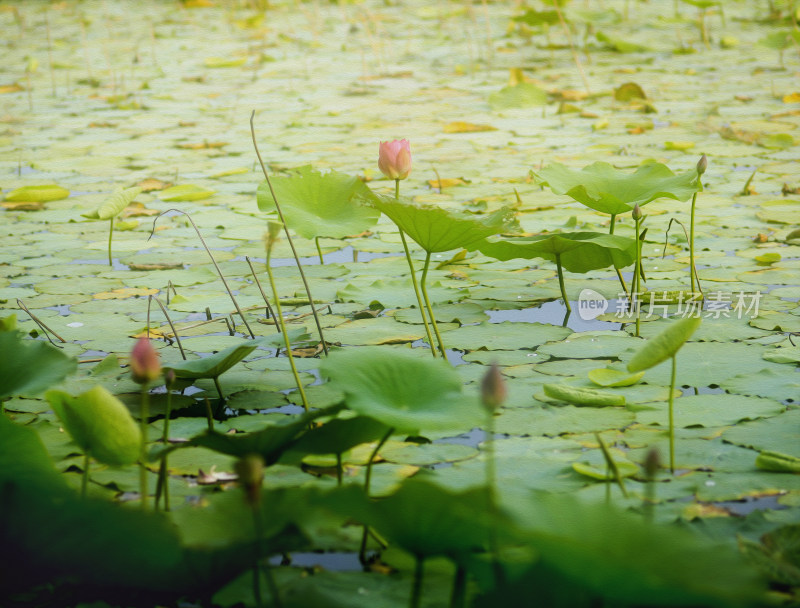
(99, 423)
(38, 194)
(663, 346)
(340, 435)
(601, 187)
(185, 192)
(402, 390)
(213, 365)
(320, 204)
(112, 207)
(29, 367)
(605, 376)
(626, 468)
(578, 251)
(270, 442)
(521, 95)
(582, 396)
(436, 229)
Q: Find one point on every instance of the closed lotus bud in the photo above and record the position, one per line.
(636, 213)
(250, 470)
(493, 388)
(394, 158)
(273, 232)
(702, 165)
(144, 361)
(651, 463)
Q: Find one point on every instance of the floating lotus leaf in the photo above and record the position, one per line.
(320, 204)
(578, 251)
(185, 192)
(520, 95)
(600, 186)
(99, 423)
(582, 396)
(112, 207)
(605, 376)
(29, 367)
(38, 194)
(436, 229)
(402, 390)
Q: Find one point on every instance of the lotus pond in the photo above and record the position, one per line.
(545, 354)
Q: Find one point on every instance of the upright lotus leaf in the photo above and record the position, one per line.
(213, 365)
(270, 443)
(590, 554)
(29, 367)
(663, 346)
(318, 204)
(38, 194)
(436, 229)
(600, 186)
(99, 423)
(578, 251)
(403, 391)
(114, 205)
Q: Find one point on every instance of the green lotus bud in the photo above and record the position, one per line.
(250, 470)
(493, 388)
(636, 213)
(702, 165)
(274, 228)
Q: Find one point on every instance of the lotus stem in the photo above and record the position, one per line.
(459, 594)
(672, 418)
(288, 236)
(414, 276)
(270, 312)
(416, 589)
(144, 416)
(286, 341)
(429, 307)
(612, 465)
(692, 268)
(110, 233)
(362, 552)
(163, 470)
(637, 269)
(319, 250)
(561, 282)
(166, 314)
(85, 477)
(209, 415)
(618, 271)
(219, 388)
(208, 251)
(491, 484)
(338, 468)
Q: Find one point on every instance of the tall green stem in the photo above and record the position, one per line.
(429, 307)
(414, 277)
(692, 270)
(672, 418)
(110, 233)
(561, 282)
(362, 552)
(85, 478)
(163, 471)
(144, 417)
(637, 273)
(491, 484)
(287, 343)
(273, 587)
(319, 250)
(458, 597)
(416, 590)
(618, 271)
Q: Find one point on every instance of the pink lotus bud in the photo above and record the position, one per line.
(145, 364)
(394, 158)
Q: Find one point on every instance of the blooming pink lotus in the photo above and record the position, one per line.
(144, 361)
(394, 158)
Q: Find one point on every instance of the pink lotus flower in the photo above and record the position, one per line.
(145, 363)
(394, 158)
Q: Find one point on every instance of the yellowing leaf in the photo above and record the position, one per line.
(447, 182)
(466, 127)
(206, 145)
(225, 62)
(23, 206)
(10, 88)
(125, 292)
(678, 145)
(792, 98)
(37, 194)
